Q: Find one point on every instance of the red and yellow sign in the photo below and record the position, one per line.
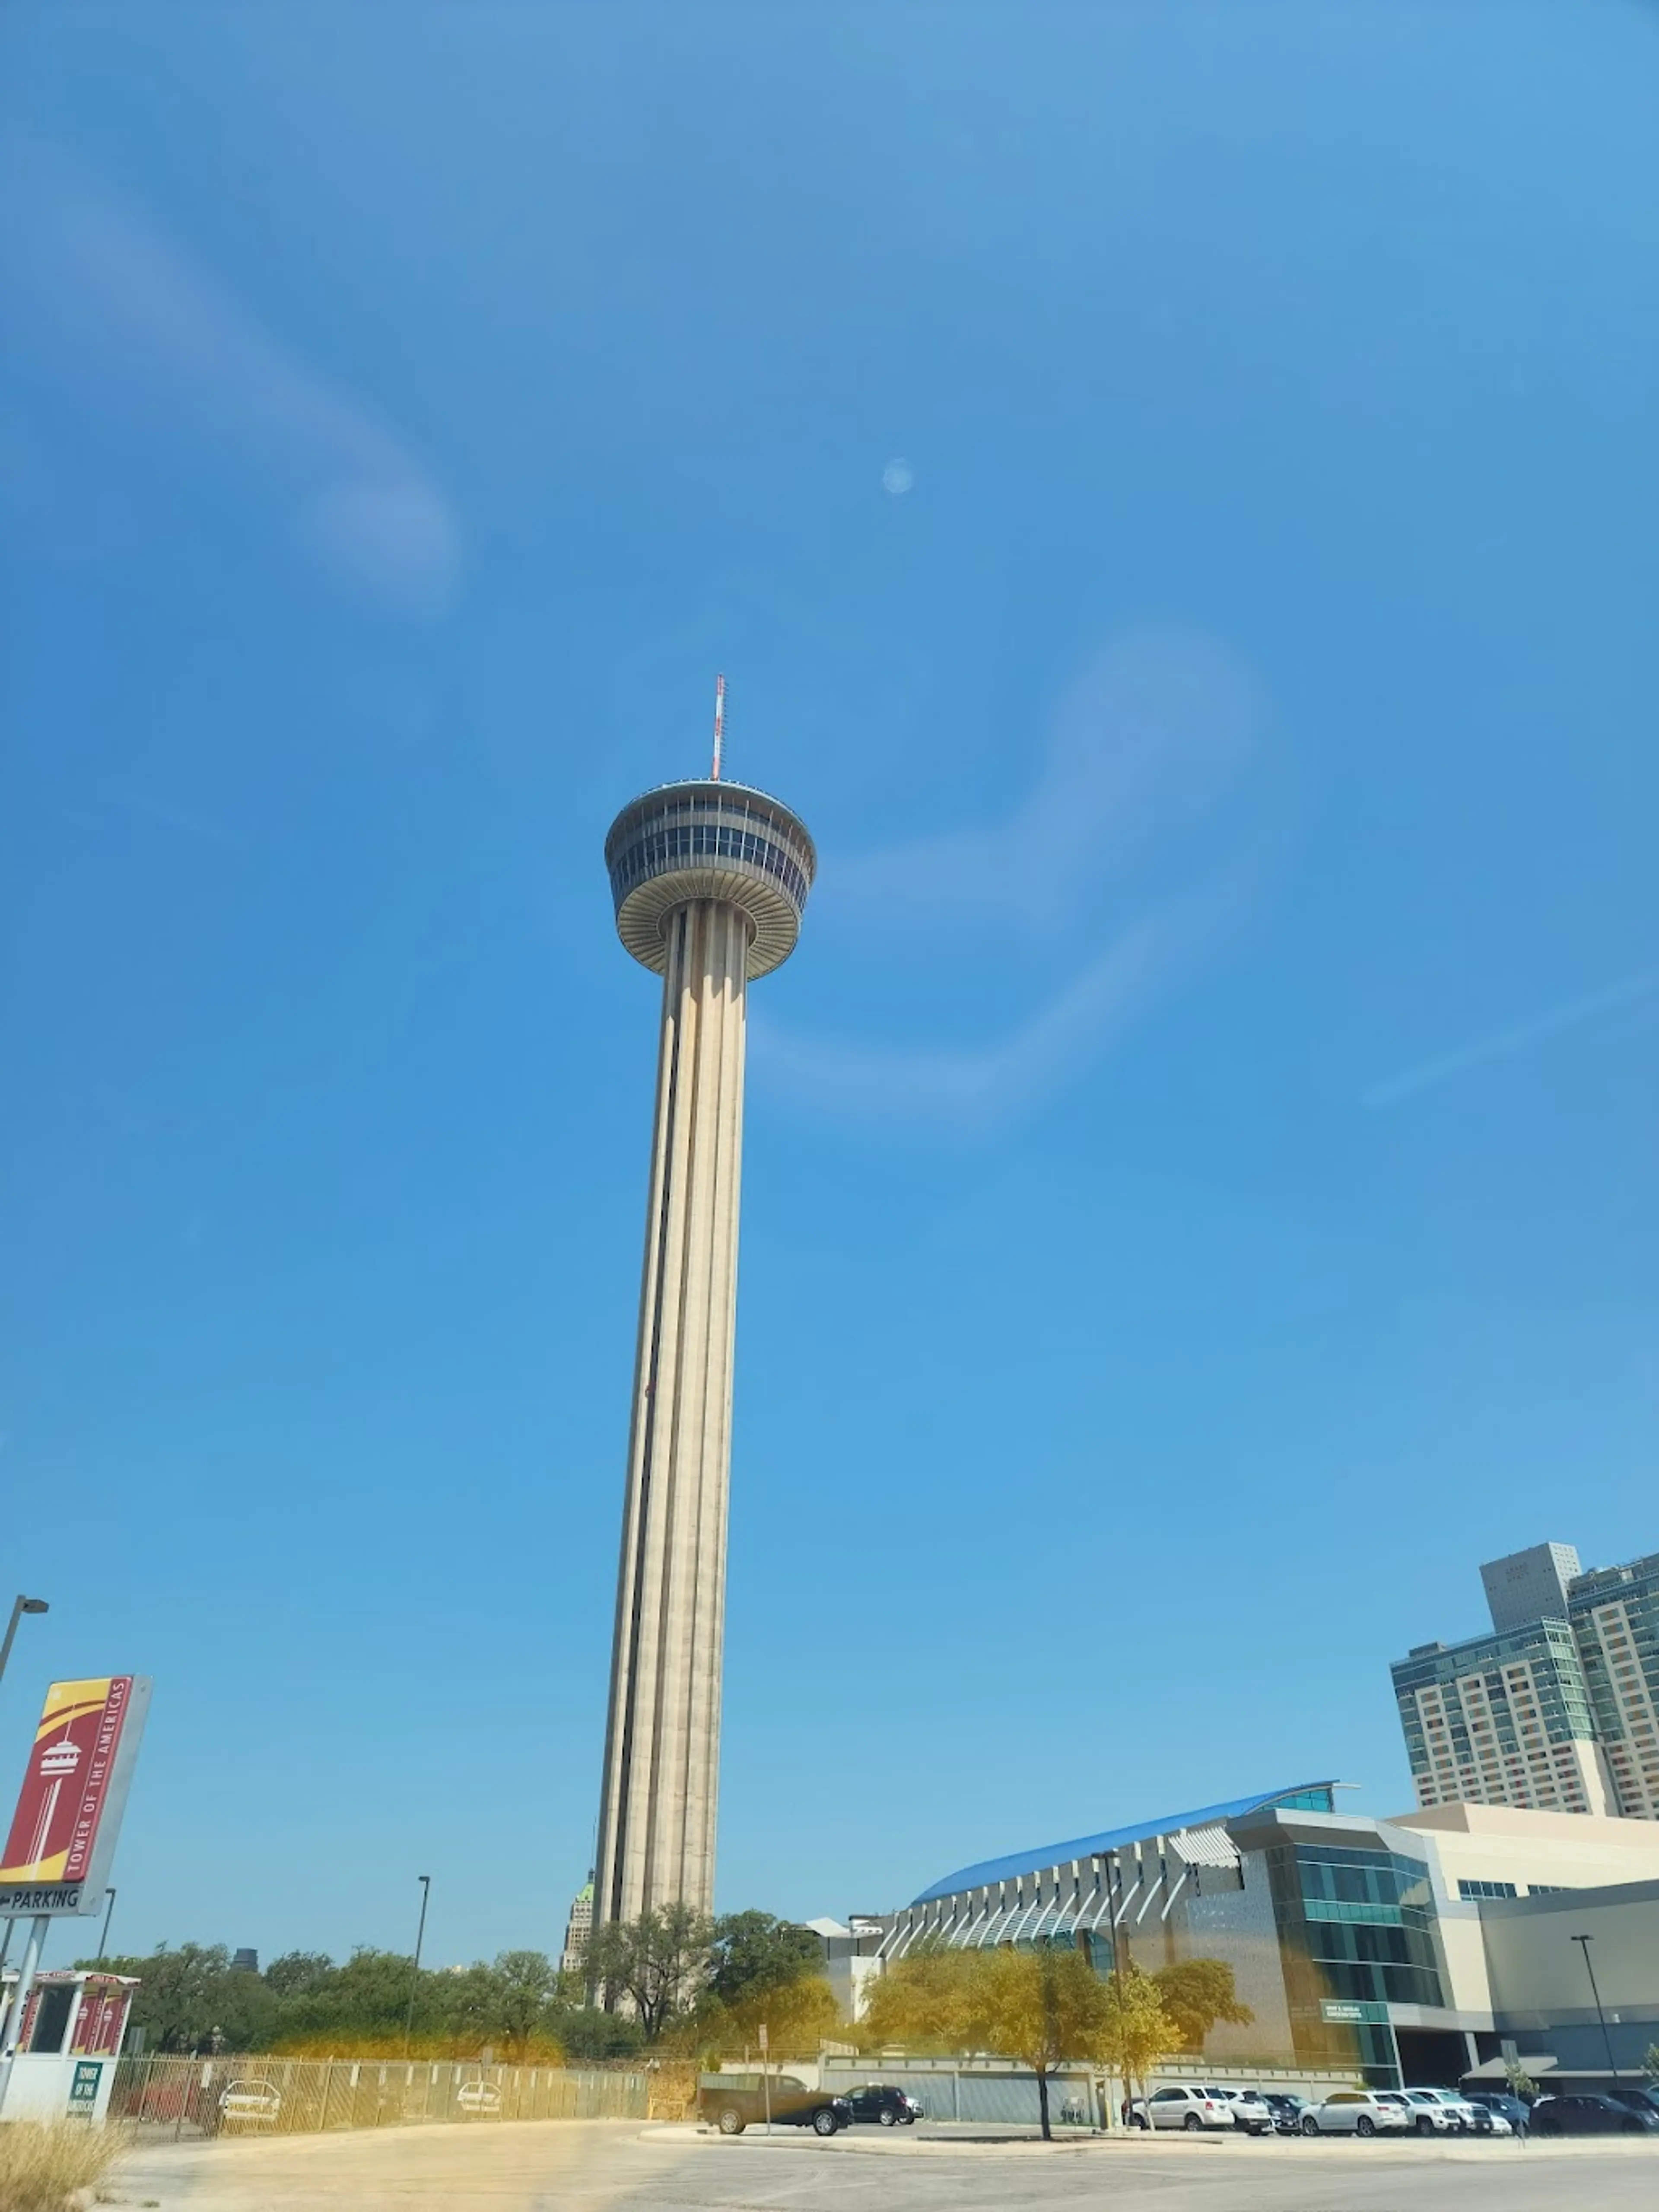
(67, 1786)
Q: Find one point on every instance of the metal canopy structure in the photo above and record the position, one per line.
(1308, 1796)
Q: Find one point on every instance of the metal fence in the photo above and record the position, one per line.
(232, 2096)
(998, 2094)
(995, 2099)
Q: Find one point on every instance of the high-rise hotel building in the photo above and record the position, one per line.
(1558, 1709)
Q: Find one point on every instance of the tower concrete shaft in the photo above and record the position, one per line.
(709, 881)
(662, 1753)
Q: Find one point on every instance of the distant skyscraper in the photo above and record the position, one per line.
(1558, 1709)
(709, 881)
(1529, 1585)
(577, 1928)
(1615, 1618)
(1503, 1720)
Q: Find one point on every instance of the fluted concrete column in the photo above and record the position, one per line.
(709, 881)
(662, 1751)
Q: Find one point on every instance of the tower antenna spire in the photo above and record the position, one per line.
(720, 724)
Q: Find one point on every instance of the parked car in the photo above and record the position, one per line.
(879, 2101)
(1638, 2100)
(1355, 2112)
(1590, 2116)
(1452, 2102)
(1286, 2108)
(1485, 2121)
(735, 2101)
(249, 2104)
(1427, 2111)
(1250, 2113)
(1503, 2106)
(1186, 2107)
(1430, 2122)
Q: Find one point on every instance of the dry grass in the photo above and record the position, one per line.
(672, 2090)
(45, 2169)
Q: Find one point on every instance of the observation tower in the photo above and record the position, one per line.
(710, 880)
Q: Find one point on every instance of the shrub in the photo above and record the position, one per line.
(42, 2169)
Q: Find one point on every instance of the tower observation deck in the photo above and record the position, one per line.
(710, 880)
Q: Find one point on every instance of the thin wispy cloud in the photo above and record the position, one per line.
(1519, 1037)
(123, 314)
(1140, 852)
(188, 821)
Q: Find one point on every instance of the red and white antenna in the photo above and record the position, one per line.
(720, 724)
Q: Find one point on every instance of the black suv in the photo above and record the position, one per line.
(1590, 2116)
(887, 2107)
(733, 2101)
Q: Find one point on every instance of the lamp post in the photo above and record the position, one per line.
(425, 1881)
(1583, 1943)
(19, 1607)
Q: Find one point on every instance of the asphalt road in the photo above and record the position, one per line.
(610, 2166)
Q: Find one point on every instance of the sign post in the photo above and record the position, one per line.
(57, 1854)
(766, 2077)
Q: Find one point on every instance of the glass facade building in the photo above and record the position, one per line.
(1358, 1945)
(1357, 1930)
(1329, 1923)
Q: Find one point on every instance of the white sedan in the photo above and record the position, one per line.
(1355, 2112)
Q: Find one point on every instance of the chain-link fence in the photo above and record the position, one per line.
(230, 2096)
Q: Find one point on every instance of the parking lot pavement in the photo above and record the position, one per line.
(614, 2166)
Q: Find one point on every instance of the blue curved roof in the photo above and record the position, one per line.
(1086, 1847)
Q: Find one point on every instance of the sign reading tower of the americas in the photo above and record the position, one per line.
(710, 879)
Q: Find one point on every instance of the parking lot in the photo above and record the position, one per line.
(616, 2167)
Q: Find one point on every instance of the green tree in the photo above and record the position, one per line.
(755, 1951)
(590, 2032)
(192, 2000)
(1196, 1993)
(1139, 2032)
(797, 2015)
(1650, 2062)
(658, 1963)
(527, 1982)
(297, 1974)
(511, 2004)
(1047, 2008)
(922, 2001)
(365, 2000)
(1520, 2083)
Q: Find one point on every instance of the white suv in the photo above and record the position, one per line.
(1186, 2107)
(1355, 2112)
(1429, 2119)
(1439, 2111)
(1249, 2112)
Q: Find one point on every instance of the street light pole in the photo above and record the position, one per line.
(20, 1607)
(1583, 1943)
(425, 1881)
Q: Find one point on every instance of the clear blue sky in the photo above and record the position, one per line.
(1173, 492)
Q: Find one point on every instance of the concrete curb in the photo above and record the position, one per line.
(880, 2143)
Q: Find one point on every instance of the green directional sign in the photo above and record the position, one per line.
(83, 2089)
